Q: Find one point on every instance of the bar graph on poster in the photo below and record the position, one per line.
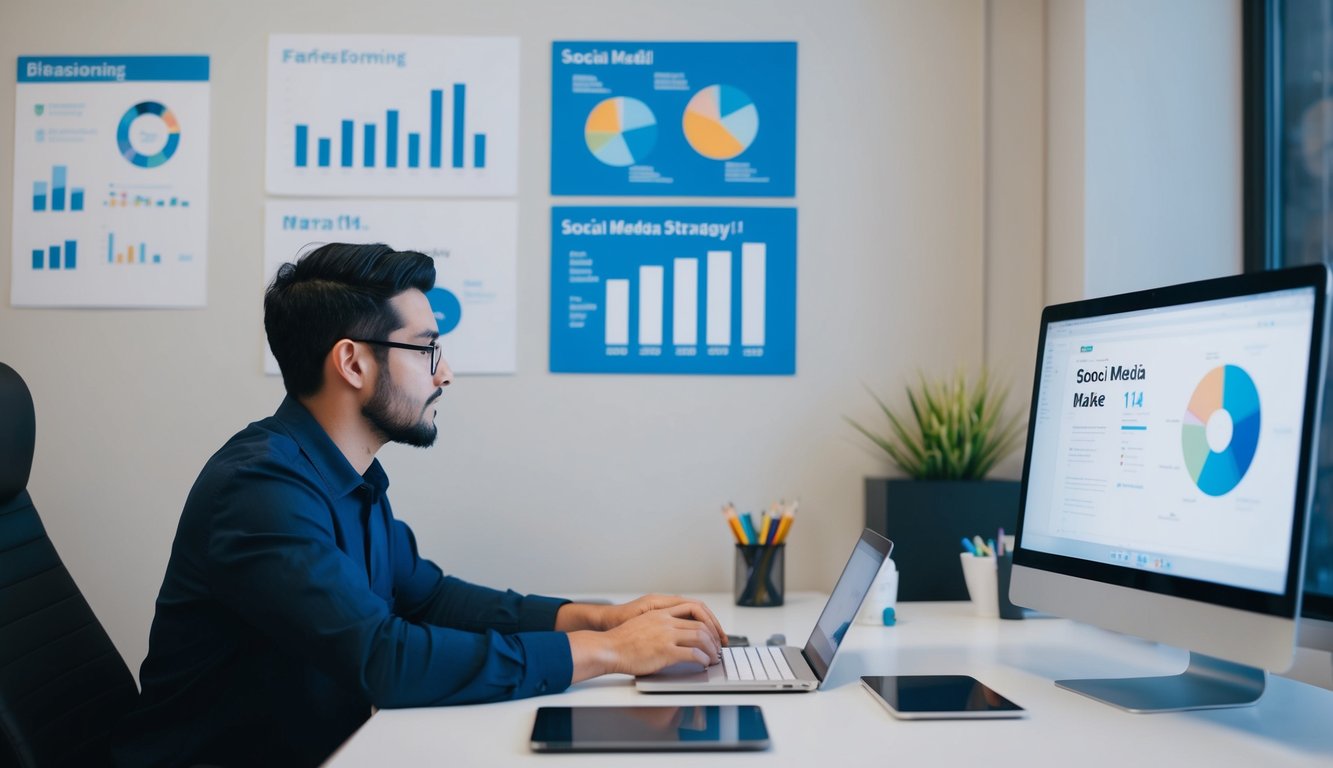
(392, 116)
(673, 290)
(111, 181)
(474, 244)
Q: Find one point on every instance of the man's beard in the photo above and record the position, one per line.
(384, 409)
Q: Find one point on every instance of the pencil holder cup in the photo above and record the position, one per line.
(759, 574)
(979, 574)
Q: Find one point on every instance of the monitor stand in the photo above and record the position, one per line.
(1208, 683)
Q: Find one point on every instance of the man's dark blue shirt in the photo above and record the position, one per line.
(293, 602)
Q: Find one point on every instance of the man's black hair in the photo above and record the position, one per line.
(337, 291)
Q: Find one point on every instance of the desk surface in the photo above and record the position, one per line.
(841, 724)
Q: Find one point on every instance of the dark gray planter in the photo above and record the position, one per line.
(925, 519)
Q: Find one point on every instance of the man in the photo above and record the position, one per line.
(294, 602)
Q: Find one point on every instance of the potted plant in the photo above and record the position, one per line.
(956, 433)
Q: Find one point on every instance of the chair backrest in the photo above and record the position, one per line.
(63, 684)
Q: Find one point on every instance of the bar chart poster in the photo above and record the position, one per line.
(645, 118)
(673, 290)
(111, 181)
(474, 244)
(392, 116)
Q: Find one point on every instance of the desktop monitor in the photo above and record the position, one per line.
(1168, 476)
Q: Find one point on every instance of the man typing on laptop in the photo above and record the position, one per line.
(294, 601)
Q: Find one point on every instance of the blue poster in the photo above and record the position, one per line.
(673, 290)
(644, 118)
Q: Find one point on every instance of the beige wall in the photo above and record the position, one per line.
(539, 482)
(940, 169)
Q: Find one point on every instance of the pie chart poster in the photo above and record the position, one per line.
(645, 118)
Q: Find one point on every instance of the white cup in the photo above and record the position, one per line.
(882, 594)
(979, 573)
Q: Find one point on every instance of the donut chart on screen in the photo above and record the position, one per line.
(620, 131)
(720, 122)
(1226, 396)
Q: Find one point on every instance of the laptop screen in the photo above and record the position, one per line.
(857, 576)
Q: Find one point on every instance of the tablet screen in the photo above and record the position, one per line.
(939, 696)
(649, 729)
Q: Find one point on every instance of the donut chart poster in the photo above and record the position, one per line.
(110, 181)
(713, 119)
(474, 244)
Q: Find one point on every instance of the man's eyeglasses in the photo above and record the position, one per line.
(433, 350)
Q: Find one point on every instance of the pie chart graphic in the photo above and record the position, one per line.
(1221, 429)
(720, 122)
(620, 131)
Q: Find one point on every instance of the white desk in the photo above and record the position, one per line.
(841, 725)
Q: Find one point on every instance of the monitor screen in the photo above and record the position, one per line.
(1167, 440)
(1168, 476)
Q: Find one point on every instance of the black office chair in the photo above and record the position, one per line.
(62, 682)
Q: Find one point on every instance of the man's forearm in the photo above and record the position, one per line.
(573, 617)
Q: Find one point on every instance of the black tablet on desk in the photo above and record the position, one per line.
(712, 728)
(939, 697)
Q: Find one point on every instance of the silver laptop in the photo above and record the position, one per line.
(787, 668)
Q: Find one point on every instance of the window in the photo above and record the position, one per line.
(1288, 194)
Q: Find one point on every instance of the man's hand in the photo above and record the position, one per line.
(576, 616)
(650, 641)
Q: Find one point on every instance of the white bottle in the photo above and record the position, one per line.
(883, 594)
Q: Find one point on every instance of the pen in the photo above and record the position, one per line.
(981, 549)
(999, 540)
(991, 544)
(751, 537)
(967, 545)
(775, 516)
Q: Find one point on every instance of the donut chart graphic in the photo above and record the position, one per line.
(620, 131)
(1226, 395)
(720, 122)
(172, 127)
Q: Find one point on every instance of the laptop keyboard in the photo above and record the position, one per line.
(756, 663)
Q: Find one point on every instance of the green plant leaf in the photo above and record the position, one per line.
(957, 429)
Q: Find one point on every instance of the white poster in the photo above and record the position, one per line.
(392, 116)
(475, 247)
(111, 181)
